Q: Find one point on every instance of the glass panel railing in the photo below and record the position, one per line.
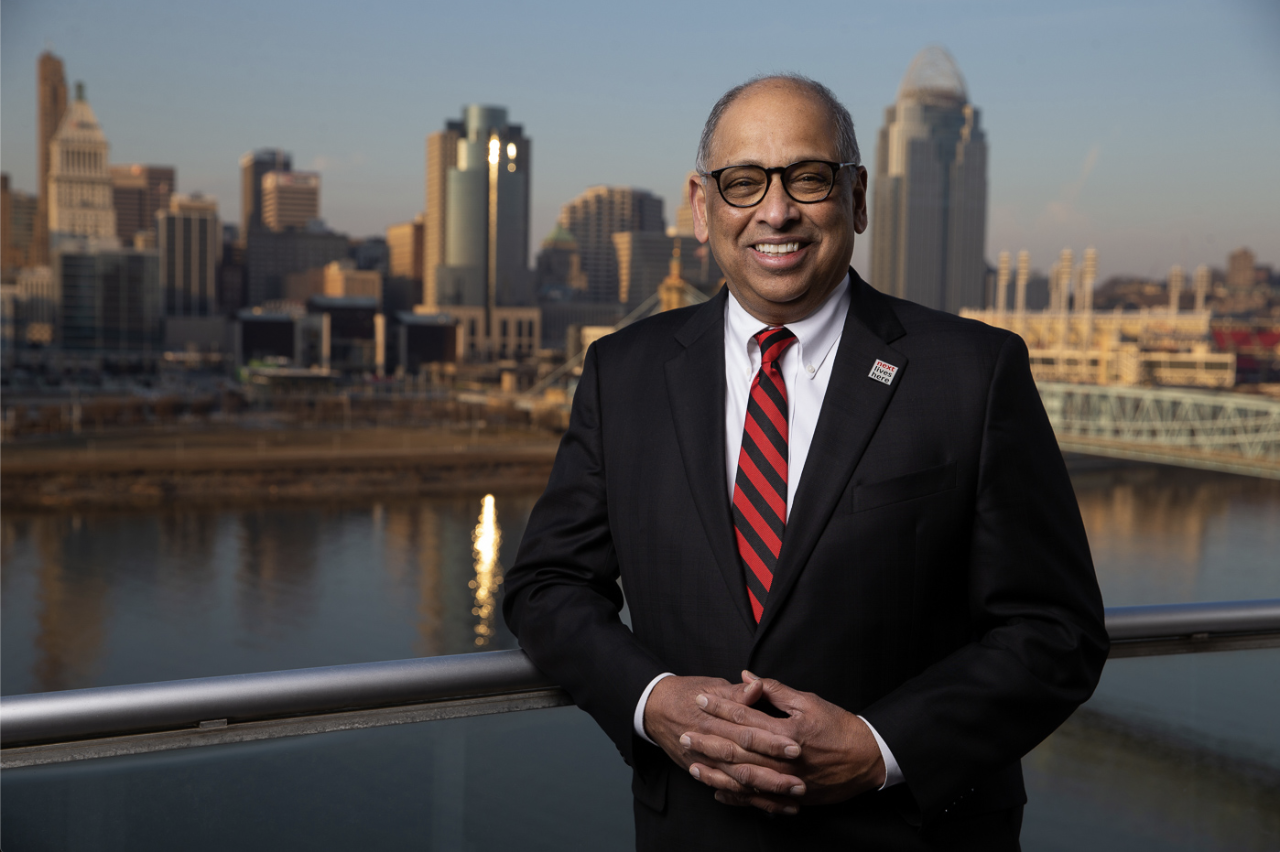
(1176, 753)
(537, 780)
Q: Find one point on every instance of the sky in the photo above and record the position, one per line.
(1145, 128)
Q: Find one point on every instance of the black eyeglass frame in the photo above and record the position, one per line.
(768, 180)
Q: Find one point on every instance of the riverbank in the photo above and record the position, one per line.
(239, 466)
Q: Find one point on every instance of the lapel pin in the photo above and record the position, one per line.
(883, 372)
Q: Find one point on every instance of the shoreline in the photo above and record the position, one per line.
(305, 467)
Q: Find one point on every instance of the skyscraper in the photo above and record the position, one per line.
(594, 217)
(189, 239)
(138, 193)
(79, 179)
(442, 155)
(929, 204)
(290, 199)
(484, 210)
(51, 106)
(253, 166)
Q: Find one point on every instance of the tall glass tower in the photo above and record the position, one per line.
(929, 198)
(482, 213)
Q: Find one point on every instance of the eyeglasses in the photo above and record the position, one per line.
(808, 181)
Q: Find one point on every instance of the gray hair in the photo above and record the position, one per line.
(846, 140)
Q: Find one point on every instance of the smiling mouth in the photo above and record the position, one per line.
(776, 248)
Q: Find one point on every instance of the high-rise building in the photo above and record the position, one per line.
(929, 204)
(442, 155)
(253, 166)
(51, 106)
(645, 259)
(79, 179)
(138, 193)
(189, 239)
(485, 212)
(405, 244)
(290, 199)
(17, 219)
(1240, 264)
(110, 302)
(594, 217)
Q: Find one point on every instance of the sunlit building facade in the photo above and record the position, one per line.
(79, 179)
(594, 217)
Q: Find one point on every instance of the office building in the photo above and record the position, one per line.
(79, 179)
(17, 218)
(929, 193)
(290, 200)
(343, 280)
(269, 256)
(405, 246)
(51, 106)
(442, 155)
(109, 300)
(138, 193)
(484, 210)
(644, 262)
(594, 217)
(189, 240)
(253, 166)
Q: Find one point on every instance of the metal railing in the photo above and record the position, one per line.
(78, 724)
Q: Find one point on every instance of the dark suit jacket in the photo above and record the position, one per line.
(934, 575)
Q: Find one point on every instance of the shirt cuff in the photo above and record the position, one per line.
(892, 773)
(637, 720)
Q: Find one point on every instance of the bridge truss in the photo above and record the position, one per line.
(1225, 431)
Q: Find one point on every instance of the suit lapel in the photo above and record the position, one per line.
(695, 387)
(851, 411)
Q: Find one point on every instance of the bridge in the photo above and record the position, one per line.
(1213, 430)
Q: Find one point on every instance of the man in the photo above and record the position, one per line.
(858, 582)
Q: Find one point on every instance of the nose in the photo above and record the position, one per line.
(777, 208)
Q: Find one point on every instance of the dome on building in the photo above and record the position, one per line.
(933, 73)
(560, 238)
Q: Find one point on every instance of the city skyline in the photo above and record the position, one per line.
(1093, 144)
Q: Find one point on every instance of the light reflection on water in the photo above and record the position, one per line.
(487, 539)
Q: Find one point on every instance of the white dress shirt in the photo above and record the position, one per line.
(806, 370)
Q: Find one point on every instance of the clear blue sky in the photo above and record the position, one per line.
(1147, 129)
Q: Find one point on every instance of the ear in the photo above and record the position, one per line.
(859, 200)
(698, 201)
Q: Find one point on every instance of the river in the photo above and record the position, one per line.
(1191, 741)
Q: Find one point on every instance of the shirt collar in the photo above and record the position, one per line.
(816, 334)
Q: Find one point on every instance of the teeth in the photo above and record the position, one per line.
(780, 248)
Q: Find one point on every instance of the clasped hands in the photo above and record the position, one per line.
(818, 754)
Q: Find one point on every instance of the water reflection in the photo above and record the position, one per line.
(72, 601)
(487, 538)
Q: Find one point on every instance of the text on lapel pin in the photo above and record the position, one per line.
(883, 372)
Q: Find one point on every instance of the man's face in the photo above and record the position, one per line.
(781, 258)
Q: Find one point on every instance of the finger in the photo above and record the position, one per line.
(764, 803)
(780, 695)
(750, 729)
(726, 753)
(744, 777)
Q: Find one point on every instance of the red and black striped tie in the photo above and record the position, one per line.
(760, 487)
